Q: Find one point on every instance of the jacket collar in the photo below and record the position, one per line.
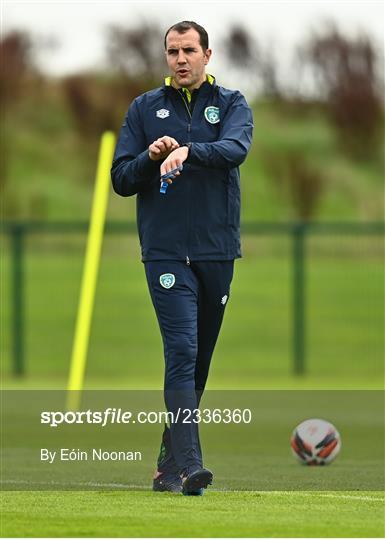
(206, 85)
(209, 78)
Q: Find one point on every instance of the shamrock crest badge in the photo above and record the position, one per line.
(167, 280)
(212, 114)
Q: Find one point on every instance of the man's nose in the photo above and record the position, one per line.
(181, 57)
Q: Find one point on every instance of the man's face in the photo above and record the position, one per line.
(186, 58)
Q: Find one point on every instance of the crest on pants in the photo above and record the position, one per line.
(167, 280)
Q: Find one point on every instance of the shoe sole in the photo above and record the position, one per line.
(197, 481)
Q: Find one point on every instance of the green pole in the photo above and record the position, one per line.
(17, 236)
(299, 329)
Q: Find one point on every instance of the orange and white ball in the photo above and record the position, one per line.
(315, 442)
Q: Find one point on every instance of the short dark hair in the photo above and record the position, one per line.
(182, 28)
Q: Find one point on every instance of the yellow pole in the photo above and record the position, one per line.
(90, 271)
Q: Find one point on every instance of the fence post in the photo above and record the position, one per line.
(299, 286)
(17, 242)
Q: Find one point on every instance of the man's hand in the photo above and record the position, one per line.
(174, 160)
(161, 148)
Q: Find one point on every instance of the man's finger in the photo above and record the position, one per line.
(170, 140)
(179, 163)
(174, 164)
(169, 166)
(155, 144)
(165, 168)
(161, 145)
(168, 143)
(164, 141)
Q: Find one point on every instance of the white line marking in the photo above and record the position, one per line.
(141, 487)
(78, 484)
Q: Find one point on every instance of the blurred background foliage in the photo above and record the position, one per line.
(318, 146)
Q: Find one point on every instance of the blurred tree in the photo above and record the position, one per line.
(17, 75)
(297, 180)
(245, 54)
(137, 53)
(346, 76)
(97, 103)
(91, 102)
(16, 64)
(135, 63)
(241, 47)
(90, 117)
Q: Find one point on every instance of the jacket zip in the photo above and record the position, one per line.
(186, 106)
(189, 198)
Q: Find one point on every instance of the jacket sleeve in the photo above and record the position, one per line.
(132, 167)
(234, 142)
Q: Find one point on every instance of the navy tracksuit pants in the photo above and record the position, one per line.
(189, 300)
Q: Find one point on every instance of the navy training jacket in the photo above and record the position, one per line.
(199, 216)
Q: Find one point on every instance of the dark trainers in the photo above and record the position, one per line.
(196, 482)
(167, 482)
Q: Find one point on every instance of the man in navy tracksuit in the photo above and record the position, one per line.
(189, 232)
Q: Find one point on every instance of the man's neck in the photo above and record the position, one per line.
(192, 87)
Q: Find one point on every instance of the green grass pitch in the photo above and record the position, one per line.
(259, 490)
(217, 514)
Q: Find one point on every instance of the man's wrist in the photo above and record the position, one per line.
(188, 145)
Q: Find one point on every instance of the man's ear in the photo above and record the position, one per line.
(208, 54)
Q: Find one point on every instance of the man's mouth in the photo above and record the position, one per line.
(183, 72)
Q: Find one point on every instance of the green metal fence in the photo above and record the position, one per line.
(298, 233)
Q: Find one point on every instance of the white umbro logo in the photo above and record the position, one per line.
(224, 299)
(162, 113)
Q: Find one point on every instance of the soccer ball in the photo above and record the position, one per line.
(315, 442)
